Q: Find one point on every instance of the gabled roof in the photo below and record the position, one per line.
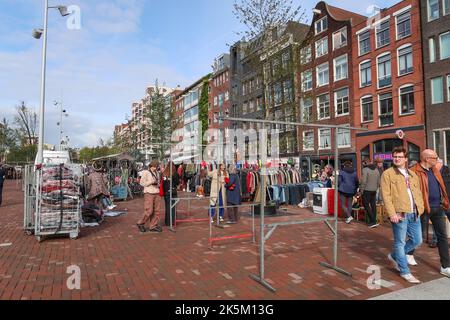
(344, 15)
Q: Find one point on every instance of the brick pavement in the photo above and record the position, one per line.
(117, 262)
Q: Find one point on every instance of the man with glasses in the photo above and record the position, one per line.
(436, 203)
(400, 189)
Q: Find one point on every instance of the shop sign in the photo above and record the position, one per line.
(383, 156)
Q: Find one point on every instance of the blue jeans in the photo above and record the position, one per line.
(410, 227)
(213, 208)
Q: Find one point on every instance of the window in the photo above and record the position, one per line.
(364, 42)
(384, 71)
(251, 106)
(324, 138)
(433, 9)
(386, 109)
(444, 45)
(343, 138)
(323, 106)
(413, 152)
(227, 96)
(321, 47)
(340, 38)
(403, 25)
(278, 93)
(448, 87)
(341, 102)
(437, 140)
(405, 61)
(305, 55)
(306, 80)
(367, 109)
(285, 60)
(382, 33)
(288, 92)
(432, 46)
(308, 140)
(437, 90)
(244, 108)
(446, 6)
(306, 107)
(340, 68)
(215, 101)
(365, 72)
(275, 66)
(321, 25)
(221, 97)
(259, 103)
(406, 100)
(322, 75)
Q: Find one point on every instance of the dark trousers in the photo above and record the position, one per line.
(370, 205)
(167, 205)
(1, 191)
(439, 220)
(233, 213)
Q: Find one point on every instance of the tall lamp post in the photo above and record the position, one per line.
(37, 33)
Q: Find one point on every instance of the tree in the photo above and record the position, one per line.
(203, 108)
(26, 120)
(8, 138)
(159, 115)
(22, 154)
(260, 16)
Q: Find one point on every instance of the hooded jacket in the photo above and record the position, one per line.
(423, 177)
(370, 179)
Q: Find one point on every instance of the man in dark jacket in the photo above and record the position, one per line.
(436, 203)
(233, 189)
(347, 186)
(2, 178)
(370, 183)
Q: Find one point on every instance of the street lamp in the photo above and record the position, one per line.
(37, 34)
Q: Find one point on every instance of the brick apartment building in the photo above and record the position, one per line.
(219, 93)
(388, 86)
(436, 56)
(326, 86)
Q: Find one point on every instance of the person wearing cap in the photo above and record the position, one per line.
(150, 180)
(2, 178)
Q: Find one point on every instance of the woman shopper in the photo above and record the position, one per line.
(233, 188)
(348, 186)
(370, 183)
(218, 195)
(151, 180)
(166, 188)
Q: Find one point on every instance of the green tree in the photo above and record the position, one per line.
(22, 154)
(203, 108)
(8, 138)
(159, 117)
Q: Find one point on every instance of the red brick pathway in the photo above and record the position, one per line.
(117, 262)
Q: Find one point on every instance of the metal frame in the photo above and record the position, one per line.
(263, 238)
(29, 186)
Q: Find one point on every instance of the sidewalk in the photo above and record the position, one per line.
(117, 262)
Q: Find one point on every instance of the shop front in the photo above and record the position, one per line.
(380, 146)
(311, 164)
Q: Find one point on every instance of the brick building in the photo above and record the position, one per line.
(388, 86)
(326, 85)
(436, 56)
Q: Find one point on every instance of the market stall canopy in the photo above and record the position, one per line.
(119, 157)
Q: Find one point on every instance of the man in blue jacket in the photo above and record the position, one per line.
(347, 186)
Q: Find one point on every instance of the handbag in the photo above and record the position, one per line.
(161, 188)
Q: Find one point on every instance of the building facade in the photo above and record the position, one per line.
(326, 88)
(388, 88)
(435, 16)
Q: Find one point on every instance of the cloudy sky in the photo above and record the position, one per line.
(121, 47)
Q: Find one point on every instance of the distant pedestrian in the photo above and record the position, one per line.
(218, 195)
(370, 183)
(167, 180)
(2, 178)
(347, 187)
(233, 187)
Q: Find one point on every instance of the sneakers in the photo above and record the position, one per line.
(394, 263)
(432, 245)
(111, 207)
(157, 229)
(220, 219)
(142, 228)
(374, 225)
(410, 278)
(348, 220)
(411, 260)
(445, 272)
